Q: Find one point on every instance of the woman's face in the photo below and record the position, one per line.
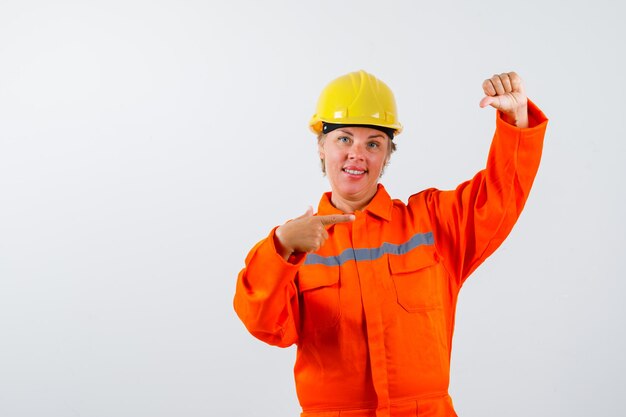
(354, 158)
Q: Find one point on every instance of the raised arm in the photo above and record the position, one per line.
(471, 221)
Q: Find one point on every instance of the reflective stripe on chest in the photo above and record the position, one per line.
(371, 254)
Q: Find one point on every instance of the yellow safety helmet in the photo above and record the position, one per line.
(357, 98)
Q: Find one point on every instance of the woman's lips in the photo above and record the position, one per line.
(354, 171)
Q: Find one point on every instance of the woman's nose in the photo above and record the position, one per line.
(356, 152)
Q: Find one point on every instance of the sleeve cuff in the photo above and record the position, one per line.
(267, 270)
(537, 123)
(268, 251)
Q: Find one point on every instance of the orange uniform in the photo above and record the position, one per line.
(372, 311)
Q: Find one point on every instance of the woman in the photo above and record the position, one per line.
(367, 287)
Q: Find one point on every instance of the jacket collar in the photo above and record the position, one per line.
(380, 206)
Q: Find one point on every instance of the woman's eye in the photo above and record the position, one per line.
(373, 145)
(343, 139)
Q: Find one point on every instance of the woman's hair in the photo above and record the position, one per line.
(390, 149)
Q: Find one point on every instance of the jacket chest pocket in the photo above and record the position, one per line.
(319, 298)
(417, 280)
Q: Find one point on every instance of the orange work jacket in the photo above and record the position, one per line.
(372, 311)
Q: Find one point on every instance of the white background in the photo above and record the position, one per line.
(145, 146)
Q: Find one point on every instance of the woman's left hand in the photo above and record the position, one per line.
(505, 92)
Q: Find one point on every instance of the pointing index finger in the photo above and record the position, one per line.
(329, 219)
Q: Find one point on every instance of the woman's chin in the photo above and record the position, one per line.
(351, 192)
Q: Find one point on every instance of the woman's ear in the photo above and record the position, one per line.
(320, 151)
(320, 147)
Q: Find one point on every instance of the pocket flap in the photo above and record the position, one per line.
(415, 260)
(310, 278)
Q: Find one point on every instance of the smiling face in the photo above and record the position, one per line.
(354, 158)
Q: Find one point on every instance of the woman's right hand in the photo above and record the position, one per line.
(307, 233)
